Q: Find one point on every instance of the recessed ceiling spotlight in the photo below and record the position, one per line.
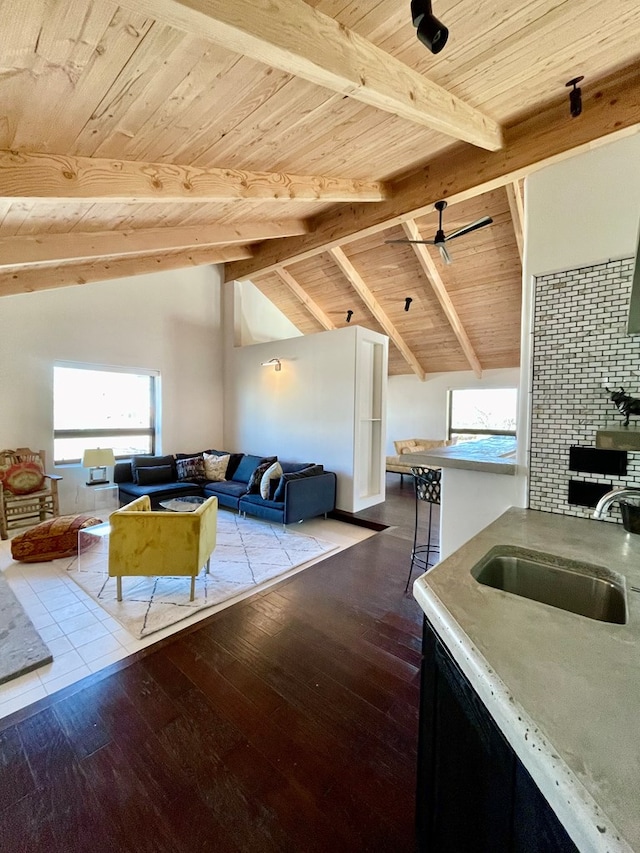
(431, 32)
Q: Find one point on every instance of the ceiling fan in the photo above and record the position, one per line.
(441, 238)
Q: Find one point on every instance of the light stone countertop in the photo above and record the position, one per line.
(563, 688)
(495, 455)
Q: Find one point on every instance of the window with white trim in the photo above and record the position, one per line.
(476, 413)
(103, 407)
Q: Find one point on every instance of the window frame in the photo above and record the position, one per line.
(151, 431)
(453, 432)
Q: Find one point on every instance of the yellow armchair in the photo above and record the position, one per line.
(153, 544)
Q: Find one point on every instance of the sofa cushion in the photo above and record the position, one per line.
(273, 472)
(138, 462)
(191, 468)
(215, 467)
(247, 466)
(155, 474)
(309, 471)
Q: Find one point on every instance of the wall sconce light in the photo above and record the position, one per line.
(273, 362)
(96, 460)
(575, 97)
(431, 32)
(407, 302)
(349, 315)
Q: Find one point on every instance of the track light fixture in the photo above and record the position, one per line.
(575, 97)
(431, 32)
(407, 302)
(349, 315)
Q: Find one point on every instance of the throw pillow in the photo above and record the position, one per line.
(273, 472)
(215, 467)
(248, 465)
(310, 471)
(253, 486)
(23, 478)
(191, 469)
(155, 474)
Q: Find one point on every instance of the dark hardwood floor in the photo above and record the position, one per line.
(285, 723)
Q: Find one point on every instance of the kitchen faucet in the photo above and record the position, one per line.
(611, 497)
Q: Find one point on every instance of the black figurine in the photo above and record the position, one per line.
(625, 403)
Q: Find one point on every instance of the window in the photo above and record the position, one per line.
(100, 407)
(476, 413)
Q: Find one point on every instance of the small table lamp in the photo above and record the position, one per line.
(96, 460)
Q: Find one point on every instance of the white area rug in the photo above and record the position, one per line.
(249, 554)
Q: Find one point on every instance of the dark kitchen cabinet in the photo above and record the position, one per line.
(473, 793)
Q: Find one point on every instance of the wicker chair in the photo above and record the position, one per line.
(22, 506)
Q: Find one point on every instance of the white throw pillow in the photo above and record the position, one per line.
(272, 473)
(215, 467)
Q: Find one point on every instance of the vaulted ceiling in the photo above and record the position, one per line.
(290, 140)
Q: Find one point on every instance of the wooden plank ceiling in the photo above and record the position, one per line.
(291, 139)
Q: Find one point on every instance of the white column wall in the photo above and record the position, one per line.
(168, 321)
(303, 413)
(579, 212)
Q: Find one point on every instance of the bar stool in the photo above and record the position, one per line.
(426, 482)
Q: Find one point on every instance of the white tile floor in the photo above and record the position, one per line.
(83, 638)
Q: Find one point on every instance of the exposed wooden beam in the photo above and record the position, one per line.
(516, 207)
(29, 249)
(355, 279)
(48, 276)
(45, 177)
(300, 293)
(300, 40)
(435, 280)
(610, 110)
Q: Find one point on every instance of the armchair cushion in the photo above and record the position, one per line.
(23, 478)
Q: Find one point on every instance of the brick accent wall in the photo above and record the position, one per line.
(579, 344)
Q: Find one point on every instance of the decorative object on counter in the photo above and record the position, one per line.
(427, 486)
(625, 403)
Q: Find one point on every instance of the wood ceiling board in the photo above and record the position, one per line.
(285, 301)
(611, 111)
(294, 38)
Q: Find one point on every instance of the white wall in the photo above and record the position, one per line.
(166, 321)
(257, 318)
(418, 409)
(579, 212)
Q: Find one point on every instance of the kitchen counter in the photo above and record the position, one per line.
(564, 689)
(495, 455)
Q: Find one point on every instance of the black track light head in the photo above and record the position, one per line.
(349, 315)
(575, 97)
(431, 32)
(407, 302)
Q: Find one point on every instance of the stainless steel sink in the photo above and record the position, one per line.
(588, 590)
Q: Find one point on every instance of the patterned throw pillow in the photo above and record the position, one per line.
(273, 472)
(215, 467)
(23, 478)
(191, 469)
(253, 486)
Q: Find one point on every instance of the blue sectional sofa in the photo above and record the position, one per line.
(304, 490)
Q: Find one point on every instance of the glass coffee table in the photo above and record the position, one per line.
(186, 504)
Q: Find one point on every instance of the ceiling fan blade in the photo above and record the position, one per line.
(473, 226)
(429, 242)
(446, 257)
